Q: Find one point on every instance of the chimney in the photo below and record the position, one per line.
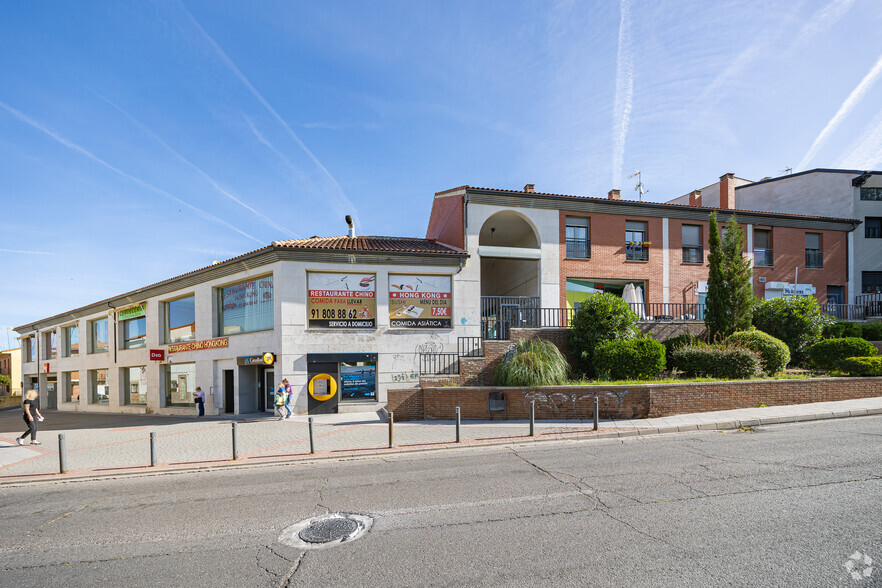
(351, 227)
(531, 188)
(614, 195)
(695, 198)
(727, 191)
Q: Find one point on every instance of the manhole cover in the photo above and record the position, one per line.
(328, 530)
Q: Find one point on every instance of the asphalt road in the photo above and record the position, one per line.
(787, 505)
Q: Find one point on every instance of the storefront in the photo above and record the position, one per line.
(336, 378)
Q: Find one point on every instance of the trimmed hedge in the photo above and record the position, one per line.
(872, 331)
(827, 354)
(637, 359)
(718, 361)
(862, 366)
(679, 341)
(774, 352)
(842, 329)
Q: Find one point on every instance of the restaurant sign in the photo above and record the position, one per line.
(199, 345)
(342, 301)
(420, 301)
(130, 312)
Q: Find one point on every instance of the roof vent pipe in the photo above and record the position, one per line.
(351, 227)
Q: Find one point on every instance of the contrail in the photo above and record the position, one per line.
(26, 252)
(823, 19)
(856, 95)
(74, 147)
(259, 97)
(624, 93)
(198, 170)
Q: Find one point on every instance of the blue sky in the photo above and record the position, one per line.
(141, 140)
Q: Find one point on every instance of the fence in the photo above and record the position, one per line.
(439, 364)
(847, 312)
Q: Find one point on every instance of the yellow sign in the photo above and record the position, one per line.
(268, 358)
(322, 387)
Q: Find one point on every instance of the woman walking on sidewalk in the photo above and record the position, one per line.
(31, 416)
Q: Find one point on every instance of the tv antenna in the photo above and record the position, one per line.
(639, 187)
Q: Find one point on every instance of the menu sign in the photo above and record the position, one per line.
(420, 301)
(342, 301)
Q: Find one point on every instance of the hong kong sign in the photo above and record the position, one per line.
(199, 345)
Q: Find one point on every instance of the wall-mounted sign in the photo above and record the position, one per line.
(199, 345)
(420, 301)
(264, 359)
(131, 312)
(45, 368)
(322, 387)
(157, 354)
(342, 301)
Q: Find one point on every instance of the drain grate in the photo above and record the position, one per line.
(326, 530)
(329, 530)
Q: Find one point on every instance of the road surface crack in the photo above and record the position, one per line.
(286, 581)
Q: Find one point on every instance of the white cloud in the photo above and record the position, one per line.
(868, 153)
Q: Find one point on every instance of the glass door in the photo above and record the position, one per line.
(269, 388)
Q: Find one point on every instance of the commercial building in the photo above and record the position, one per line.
(10, 365)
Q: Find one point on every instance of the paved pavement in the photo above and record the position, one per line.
(114, 444)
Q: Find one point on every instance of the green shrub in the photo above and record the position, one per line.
(827, 354)
(872, 331)
(862, 366)
(536, 362)
(841, 329)
(717, 361)
(636, 359)
(796, 320)
(601, 318)
(774, 352)
(679, 341)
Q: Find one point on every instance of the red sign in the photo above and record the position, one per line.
(157, 354)
(45, 368)
(198, 345)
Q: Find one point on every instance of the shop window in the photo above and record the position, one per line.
(180, 320)
(636, 241)
(871, 193)
(98, 332)
(871, 282)
(358, 381)
(99, 392)
(135, 385)
(693, 247)
(578, 242)
(873, 227)
(814, 257)
(71, 341)
(135, 333)
(180, 384)
(71, 383)
(763, 255)
(246, 307)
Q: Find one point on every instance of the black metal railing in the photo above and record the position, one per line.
(547, 318)
(499, 313)
(846, 312)
(469, 347)
(439, 364)
(668, 311)
(872, 303)
(636, 252)
(763, 257)
(693, 254)
(579, 248)
(814, 258)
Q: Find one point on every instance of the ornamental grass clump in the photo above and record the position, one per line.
(536, 362)
(774, 352)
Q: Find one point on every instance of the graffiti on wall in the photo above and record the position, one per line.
(562, 404)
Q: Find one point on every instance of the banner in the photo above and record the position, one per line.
(342, 301)
(199, 345)
(420, 301)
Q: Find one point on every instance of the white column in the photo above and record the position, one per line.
(666, 262)
(750, 250)
(850, 262)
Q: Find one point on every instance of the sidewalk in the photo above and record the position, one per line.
(115, 445)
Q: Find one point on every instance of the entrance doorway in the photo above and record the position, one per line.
(269, 389)
(51, 392)
(229, 392)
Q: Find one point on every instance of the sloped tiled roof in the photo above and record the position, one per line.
(372, 243)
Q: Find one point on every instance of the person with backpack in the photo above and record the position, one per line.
(280, 399)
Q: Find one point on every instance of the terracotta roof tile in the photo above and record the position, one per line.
(363, 243)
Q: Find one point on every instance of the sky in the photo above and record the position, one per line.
(142, 140)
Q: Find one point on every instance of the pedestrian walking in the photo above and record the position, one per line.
(289, 397)
(199, 398)
(31, 415)
(280, 399)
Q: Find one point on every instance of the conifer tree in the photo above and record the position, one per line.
(716, 302)
(736, 275)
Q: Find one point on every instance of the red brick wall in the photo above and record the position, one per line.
(446, 222)
(406, 404)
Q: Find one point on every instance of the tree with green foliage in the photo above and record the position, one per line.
(5, 380)
(799, 321)
(600, 318)
(715, 303)
(736, 274)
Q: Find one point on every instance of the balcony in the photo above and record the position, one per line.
(814, 258)
(636, 251)
(579, 248)
(763, 258)
(693, 254)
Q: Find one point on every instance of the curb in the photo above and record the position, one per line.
(726, 425)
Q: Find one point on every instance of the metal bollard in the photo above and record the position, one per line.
(152, 449)
(235, 442)
(532, 417)
(62, 457)
(311, 437)
(391, 423)
(457, 424)
(596, 411)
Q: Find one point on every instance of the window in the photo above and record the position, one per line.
(871, 282)
(180, 320)
(873, 227)
(578, 243)
(50, 345)
(180, 383)
(71, 383)
(871, 193)
(762, 248)
(693, 249)
(71, 341)
(636, 244)
(99, 392)
(246, 307)
(135, 333)
(30, 345)
(99, 335)
(814, 257)
(835, 294)
(135, 385)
